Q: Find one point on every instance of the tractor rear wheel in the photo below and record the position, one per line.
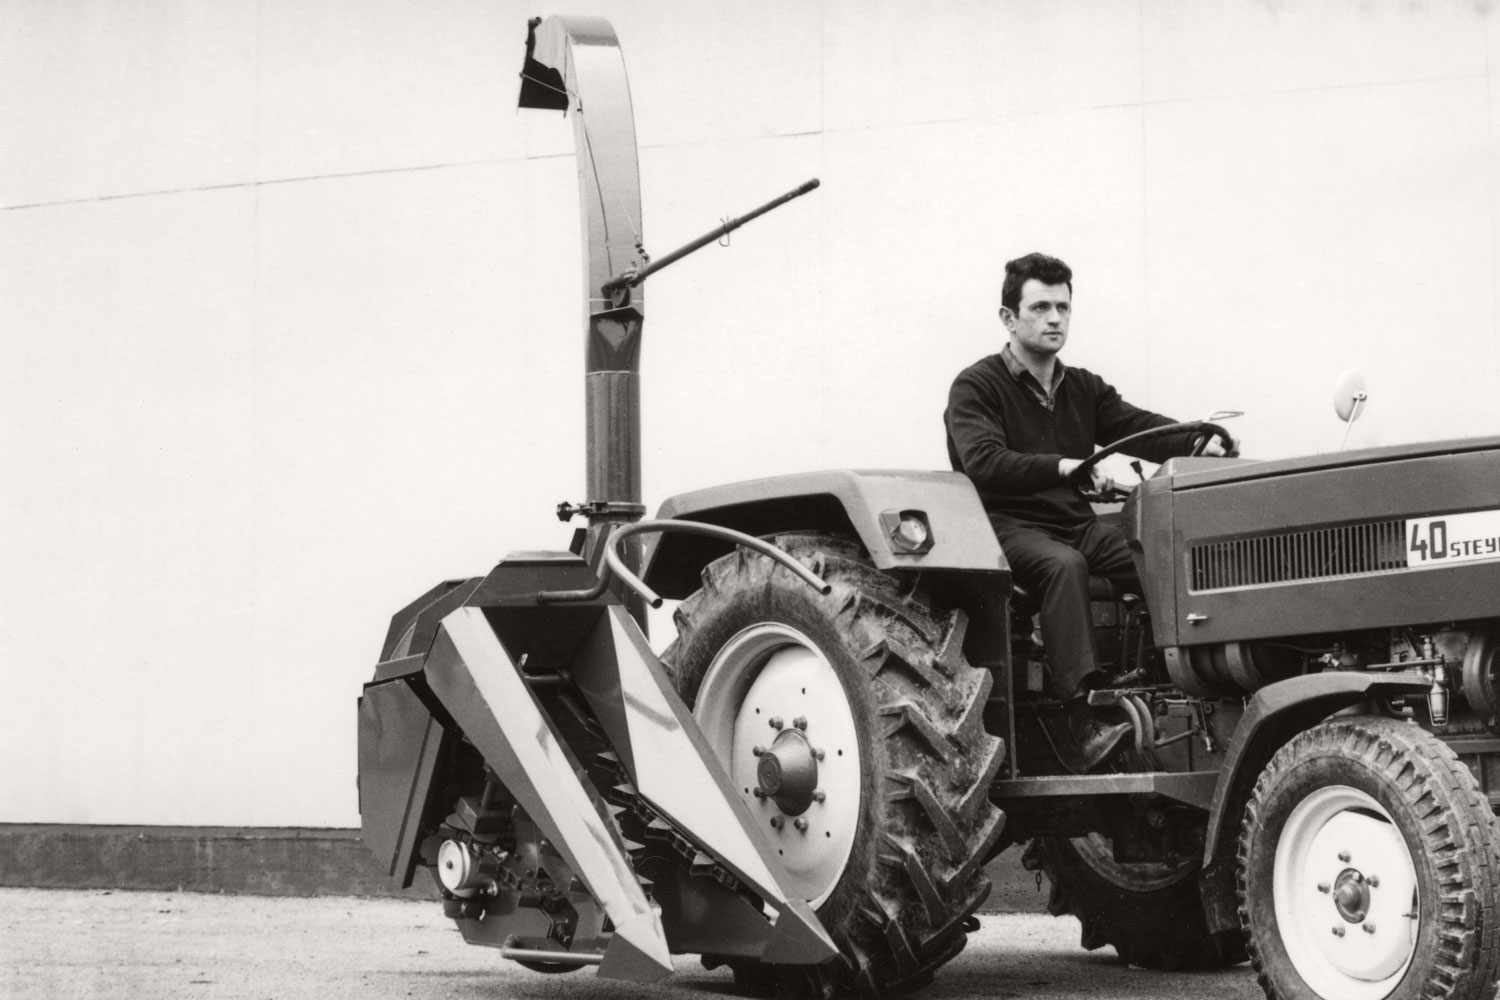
(1150, 913)
(852, 725)
(1369, 868)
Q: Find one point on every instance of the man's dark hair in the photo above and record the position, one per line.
(1047, 270)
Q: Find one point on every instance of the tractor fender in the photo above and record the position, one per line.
(1275, 714)
(865, 505)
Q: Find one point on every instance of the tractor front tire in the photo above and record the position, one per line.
(877, 800)
(1150, 913)
(1369, 868)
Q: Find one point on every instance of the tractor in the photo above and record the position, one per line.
(807, 784)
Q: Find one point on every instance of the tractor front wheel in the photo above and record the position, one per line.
(852, 725)
(1369, 868)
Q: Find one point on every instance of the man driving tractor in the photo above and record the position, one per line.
(1019, 423)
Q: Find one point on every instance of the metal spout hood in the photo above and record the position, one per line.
(574, 64)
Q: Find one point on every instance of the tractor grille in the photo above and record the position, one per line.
(1347, 550)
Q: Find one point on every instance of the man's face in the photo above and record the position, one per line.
(1040, 323)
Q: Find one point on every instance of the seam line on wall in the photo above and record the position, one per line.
(822, 130)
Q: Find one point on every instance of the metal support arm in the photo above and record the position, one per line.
(615, 564)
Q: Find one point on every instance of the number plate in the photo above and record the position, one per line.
(1453, 538)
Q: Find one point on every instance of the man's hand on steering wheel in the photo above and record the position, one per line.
(1207, 439)
(1099, 482)
(1217, 447)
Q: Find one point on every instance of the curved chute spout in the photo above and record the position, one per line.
(575, 64)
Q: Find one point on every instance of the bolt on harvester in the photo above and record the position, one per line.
(806, 785)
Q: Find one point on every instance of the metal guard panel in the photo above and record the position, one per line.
(403, 620)
(515, 580)
(481, 686)
(961, 533)
(676, 771)
(400, 745)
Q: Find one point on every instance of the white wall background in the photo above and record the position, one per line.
(290, 304)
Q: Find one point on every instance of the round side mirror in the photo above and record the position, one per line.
(1349, 396)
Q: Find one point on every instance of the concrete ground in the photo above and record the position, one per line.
(61, 944)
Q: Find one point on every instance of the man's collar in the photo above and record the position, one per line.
(1017, 369)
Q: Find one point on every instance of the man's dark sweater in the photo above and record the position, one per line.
(1009, 443)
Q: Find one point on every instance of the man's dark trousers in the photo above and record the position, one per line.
(1055, 563)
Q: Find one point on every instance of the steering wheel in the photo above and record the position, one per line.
(1203, 432)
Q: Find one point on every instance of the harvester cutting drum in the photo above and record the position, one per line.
(808, 782)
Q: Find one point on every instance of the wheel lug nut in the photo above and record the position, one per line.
(818, 754)
(775, 722)
(777, 822)
(800, 824)
(819, 795)
(759, 792)
(1343, 855)
(1322, 886)
(1338, 931)
(758, 751)
(1374, 881)
(1369, 928)
(800, 722)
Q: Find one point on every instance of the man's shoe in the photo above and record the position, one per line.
(1094, 738)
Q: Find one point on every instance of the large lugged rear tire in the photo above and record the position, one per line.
(1152, 914)
(1369, 868)
(877, 798)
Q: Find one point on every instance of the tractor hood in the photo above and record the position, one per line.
(1234, 550)
(1192, 473)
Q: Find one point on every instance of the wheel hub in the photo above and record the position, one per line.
(1351, 895)
(788, 772)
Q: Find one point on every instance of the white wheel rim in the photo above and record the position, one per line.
(772, 671)
(1340, 847)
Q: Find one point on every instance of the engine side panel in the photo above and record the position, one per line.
(1319, 551)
